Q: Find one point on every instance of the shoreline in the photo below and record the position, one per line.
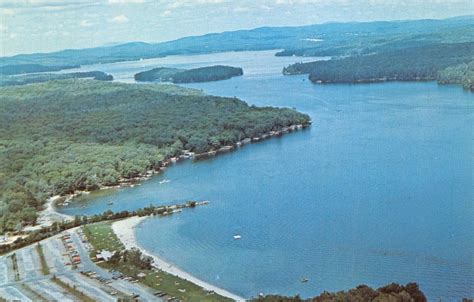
(50, 214)
(125, 231)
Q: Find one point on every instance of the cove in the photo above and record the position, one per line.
(378, 190)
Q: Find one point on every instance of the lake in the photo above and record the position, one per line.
(378, 190)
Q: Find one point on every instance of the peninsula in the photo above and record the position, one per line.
(87, 134)
(13, 80)
(449, 63)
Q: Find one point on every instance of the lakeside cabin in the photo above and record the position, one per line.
(187, 154)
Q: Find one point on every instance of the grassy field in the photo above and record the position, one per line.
(33, 294)
(15, 267)
(44, 264)
(101, 236)
(72, 290)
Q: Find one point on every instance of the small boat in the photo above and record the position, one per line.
(304, 280)
(237, 237)
(164, 181)
(110, 203)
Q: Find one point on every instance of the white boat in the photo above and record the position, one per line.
(237, 237)
(164, 181)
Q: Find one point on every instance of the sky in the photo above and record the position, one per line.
(28, 26)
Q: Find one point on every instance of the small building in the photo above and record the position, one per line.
(104, 255)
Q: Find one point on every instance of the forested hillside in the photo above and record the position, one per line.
(44, 77)
(30, 68)
(350, 39)
(363, 293)
(61, 136)
(410, 64)
(201, 74)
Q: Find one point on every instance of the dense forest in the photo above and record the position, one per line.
(160, 74)
(30, 68)
(44, 77)
(61, 136)
(418, 63)
(462, 74)
(201, 74)
(391, 292)
(329, 39)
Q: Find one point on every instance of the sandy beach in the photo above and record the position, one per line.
(125, 231)
(49, 215)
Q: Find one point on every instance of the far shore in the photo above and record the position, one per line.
(125, 231)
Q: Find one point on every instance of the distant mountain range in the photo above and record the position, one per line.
(329, 39)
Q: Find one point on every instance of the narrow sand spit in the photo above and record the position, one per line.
(125, 231)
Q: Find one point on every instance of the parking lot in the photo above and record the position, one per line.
(67, 258)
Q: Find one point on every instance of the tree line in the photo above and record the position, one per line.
(391, 292)
(462, 74)
(44, 77)
(13, 69)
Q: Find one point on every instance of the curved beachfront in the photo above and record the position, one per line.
(125, 231)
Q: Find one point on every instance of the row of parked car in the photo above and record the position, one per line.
(71, 250)
(161, 294)
(118, 275)
(94, 275)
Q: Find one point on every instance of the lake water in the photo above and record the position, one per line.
(378, 190)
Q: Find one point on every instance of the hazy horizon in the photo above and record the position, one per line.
(33, 26)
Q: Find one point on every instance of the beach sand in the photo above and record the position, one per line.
(125, 231)
(48, 216)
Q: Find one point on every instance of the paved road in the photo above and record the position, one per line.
(12, 293)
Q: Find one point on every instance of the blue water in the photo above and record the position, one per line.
(378, 190)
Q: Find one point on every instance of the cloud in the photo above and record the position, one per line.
(85, 23)
(46, 5)
(241, 9)
(187, 3)
(125, 1)
(7, 11)
(119, 19)
(166, 13)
